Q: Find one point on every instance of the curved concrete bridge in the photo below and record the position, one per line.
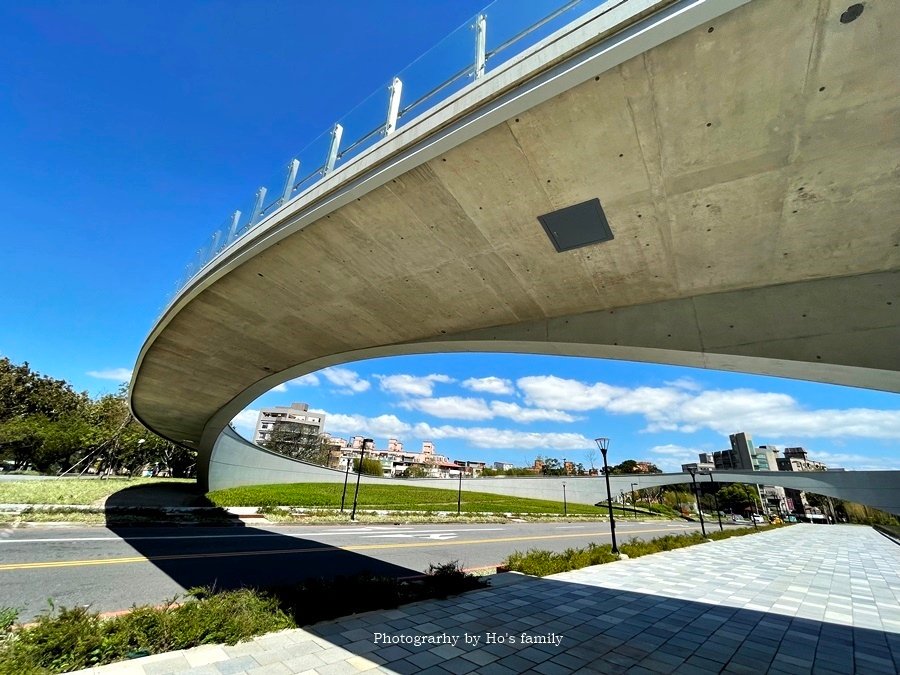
(743, 154)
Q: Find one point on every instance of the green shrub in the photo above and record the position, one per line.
(8, 616)
(449, 579)
(540, 563)
(72, 639)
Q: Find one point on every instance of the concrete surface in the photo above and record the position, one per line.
(803, 599)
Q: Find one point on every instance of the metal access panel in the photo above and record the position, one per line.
(576, 226)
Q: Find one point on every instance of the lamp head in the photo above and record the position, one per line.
(603, 444)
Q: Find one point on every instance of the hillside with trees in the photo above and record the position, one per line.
(48, 427)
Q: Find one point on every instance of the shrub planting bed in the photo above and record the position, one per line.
(540, 563)
(71, 639)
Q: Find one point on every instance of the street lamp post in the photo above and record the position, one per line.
(362, 456)
(603, 444)
(633, 502)
(716, 501)
(693, 473)
(565, 504)
(346, 476)
(459, 493)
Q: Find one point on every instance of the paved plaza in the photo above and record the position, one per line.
(802, 599)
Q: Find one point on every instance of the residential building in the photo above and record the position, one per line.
(296, 420)
(503, 466)
(698, 467)
(797, 459)
(744, 456)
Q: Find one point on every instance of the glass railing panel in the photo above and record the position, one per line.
(514, 26)
(312, 162)
(363, 126)
(441, 71)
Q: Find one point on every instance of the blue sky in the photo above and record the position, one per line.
(131, 130)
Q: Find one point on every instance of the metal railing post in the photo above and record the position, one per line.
(293, 167)
(393, 106)
(336, 134)
(480, 45)
(258, 206)
(232, 231)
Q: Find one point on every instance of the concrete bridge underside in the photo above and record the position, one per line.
(746, 155)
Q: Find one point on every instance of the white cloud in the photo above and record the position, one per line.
(347, 379)
(280, 388)
(451, 407)
(524, 415)
(549, 391)
(308, 380)
(681, 407)
(487, 437)
(383, 426)
(116, 374)
(673, 456)
(490, 385)
(411, 385)
(685, 383)
(245, 422)
(464, 408)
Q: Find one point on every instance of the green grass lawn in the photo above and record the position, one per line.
(393, 497)
(70, 490)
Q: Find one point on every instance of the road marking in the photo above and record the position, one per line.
(365, 532)
(291, 551)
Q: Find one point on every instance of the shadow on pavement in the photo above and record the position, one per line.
(232, 555)
(603, 630)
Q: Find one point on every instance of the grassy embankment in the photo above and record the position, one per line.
(394, 498)
(318, 501)
(71, 491)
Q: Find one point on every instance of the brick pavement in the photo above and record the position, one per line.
(805, 599)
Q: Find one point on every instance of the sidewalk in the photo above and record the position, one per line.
(804, 599)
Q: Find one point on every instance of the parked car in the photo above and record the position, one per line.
(776, 520)
(757, 518)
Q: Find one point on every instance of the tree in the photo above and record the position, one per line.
(419, 471)
(628, 466)
(552, 467)
(24, 393)
(737, 497)
(591, 456)
(45, 424)
(370, 467)
(298, 441)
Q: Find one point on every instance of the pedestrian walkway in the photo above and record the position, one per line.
(803, 599)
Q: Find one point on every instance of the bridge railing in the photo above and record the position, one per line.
(500, 32)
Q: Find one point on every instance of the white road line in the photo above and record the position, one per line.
(364, 532)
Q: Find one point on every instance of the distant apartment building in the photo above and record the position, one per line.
(744, 456)
(797, 459)
(397, 462)
(294, 420)
(503, 466)
(470, 468)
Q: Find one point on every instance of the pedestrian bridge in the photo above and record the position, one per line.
(711, 183)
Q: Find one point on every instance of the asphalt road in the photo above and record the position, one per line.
(114, 569)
